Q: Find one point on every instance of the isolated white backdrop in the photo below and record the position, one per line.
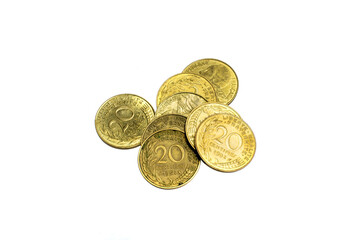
(298, 66)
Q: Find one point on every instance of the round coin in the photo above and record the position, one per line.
(179, 103)
(122, 119)
(219, 74)
(225, 143)
(186, 83)
(199, 114)
(168, 121)
(166, 160)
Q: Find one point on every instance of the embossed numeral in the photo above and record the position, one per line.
(170, 153)
(163, 148)
(223, 134)
(231, 144)
(225, 137)
(123, 114)
(195, 89)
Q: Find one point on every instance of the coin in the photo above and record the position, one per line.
(225, 143)
(168, 121)
(166, 160)
(186, 83)
(179, 103)
(219, 74)
(199, 114)
(122, 119)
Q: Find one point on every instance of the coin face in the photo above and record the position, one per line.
(186, 83)
(180, 103)
(122, 119)
(225, 143)
(199, 114)
(219, 74)
(168, 121)
(166, 160)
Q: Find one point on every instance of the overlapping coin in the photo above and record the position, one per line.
(225, 142)
(192, 122)
(199, 114)
(219, 74)
(179, 103)
(168, 121)
(186, 83)
(166, 160)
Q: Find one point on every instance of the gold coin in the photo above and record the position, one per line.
(168, 121)
(225, 143)
(167, 161)
(122, 119)
(219, 74)
(179, 103)
(199, 114)
(186, 83)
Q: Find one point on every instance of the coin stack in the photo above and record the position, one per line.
(192, 122)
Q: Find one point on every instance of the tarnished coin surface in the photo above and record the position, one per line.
(166, 160)
(186, 83)
(199, 114)
(180, 103)
(122, 119)
(168, 121)
(219, 74)
(225, 143)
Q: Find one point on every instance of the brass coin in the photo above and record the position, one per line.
(199, 114)
(122, 119)
(186, 83)
(225, 143)
(166, 160)
(219, 74)
(168, 121)
(179, 103)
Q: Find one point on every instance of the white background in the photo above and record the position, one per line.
(298, 67)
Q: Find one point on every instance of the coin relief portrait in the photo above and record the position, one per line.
(180, 103)
(186, 83)
(221, 76)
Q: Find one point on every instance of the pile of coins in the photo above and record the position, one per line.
(192, 122)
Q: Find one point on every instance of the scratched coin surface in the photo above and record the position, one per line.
(219, 74)
(225, 143)
(199, 114)
(186, 83)
(122, 119)
(166, 160)
(179, 103)
(168, 121)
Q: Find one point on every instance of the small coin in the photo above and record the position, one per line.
(168, 121)
(122, 119)
(186, 83)
(199, 114)
(166, 160)
(219, 74)
(179, 103)
(225, 143)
